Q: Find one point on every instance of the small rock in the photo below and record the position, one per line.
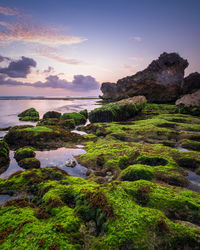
(70, 163)
(92, 228)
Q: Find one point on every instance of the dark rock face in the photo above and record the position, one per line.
(160, 82)
(52, 114)
(191, 83)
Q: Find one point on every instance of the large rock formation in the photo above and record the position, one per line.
(160, 82)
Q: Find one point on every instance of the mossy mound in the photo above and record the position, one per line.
(71, 213)
(78, 118)
(29, 115)
(26, 152)
(67, 123)
(119, 111)
(40, 137)
(4, 156)
(136, 172)
(48, 122)
(28, 163)
(52, 114)
(84, 113)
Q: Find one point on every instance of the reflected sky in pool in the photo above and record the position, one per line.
(51, 158)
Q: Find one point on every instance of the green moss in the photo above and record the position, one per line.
(48, 121)
(78, 118)
(67, 123)
(192, 110)
(26, 152)
(29, 115)
(84, 113)
(28, 163)
(37, 130)
(136, 172)
(29, 118)
(4, 156)
(115, 112)
(151, 161)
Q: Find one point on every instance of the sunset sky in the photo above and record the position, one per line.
(68, 48)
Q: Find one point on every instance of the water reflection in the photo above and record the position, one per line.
(50, 158)
(194, 180)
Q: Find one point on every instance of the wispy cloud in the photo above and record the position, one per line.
(53, 53)
(28, 32)
(6, 11)
(137, 38)
(137, 59)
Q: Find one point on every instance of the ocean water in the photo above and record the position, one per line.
(9, 108)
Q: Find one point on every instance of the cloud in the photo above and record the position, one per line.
(80, 83)
(137, 38)
(4, 58)
(6, 11)
(31, 33)
(48, 70)
(19, 69)
(52, 53)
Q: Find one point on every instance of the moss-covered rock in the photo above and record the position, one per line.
(29, 115)
(78, 118)
(136, 172)
(52, 114)
(48, 122)
(26, 152)
(40, 137)
(84, 113)
(119, 111)
(67, 123)
(28, 163)
(4, 156)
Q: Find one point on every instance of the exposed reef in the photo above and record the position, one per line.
(136, 195)
(29, 115)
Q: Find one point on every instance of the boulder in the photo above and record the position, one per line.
(78, 118)
(28, 163)
(189, 104)
(118, 111)
(52, 114)
(160, 82)
(39, 137)
(29, 115)
(25, 152)
(191, 83)
(190, 100)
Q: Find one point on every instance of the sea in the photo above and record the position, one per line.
(11, 106)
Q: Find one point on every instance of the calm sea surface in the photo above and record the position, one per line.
(10, 108)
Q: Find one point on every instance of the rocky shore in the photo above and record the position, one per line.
(138, 193)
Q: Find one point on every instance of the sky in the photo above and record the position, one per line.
(68, 48)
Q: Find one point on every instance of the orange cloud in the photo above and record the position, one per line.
(27, 32)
